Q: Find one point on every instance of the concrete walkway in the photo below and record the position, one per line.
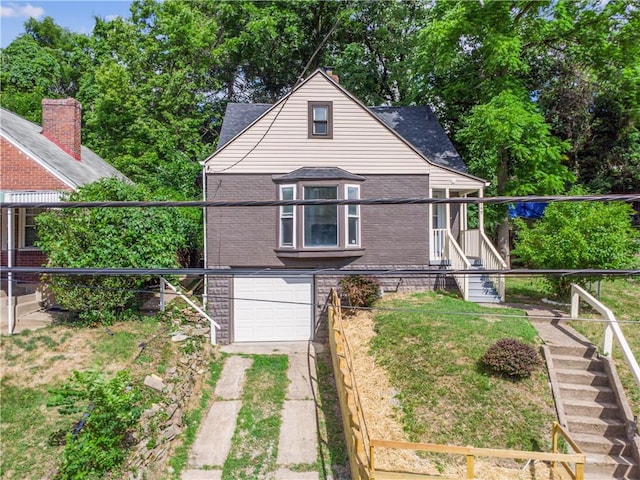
(298, 440)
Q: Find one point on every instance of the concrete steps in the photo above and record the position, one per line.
(481, 288)
(592, 413)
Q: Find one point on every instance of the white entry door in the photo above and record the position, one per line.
(272, 309)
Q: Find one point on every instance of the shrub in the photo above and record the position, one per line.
(109, 409)
(108, 238)
(579, 235)
(512, 358)
(359, 291)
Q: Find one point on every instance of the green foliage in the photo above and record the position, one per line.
(359, 291)
(511, 358)
(109, 411)
(582, 235)
(108, 238)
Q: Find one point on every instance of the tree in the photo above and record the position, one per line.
(582, 235)
(108, 238)
(475, 58)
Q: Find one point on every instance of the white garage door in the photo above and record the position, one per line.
(272, 309)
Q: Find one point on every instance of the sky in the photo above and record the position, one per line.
(76, 15)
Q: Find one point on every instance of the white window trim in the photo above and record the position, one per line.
(22, 224)
(293, 215)
(347, 217)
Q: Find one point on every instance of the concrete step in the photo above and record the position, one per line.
(609, 427)
(574, 391)
(611, 467)
(597, 444)
(587, 408)
(578, 363)
(485, 299)
(582, 377)
(575, 350)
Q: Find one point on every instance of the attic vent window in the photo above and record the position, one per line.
(320, 119)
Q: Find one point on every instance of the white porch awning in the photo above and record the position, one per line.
(30, 197)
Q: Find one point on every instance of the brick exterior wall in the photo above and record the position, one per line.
(247, 237)
(20, 172)
(393, 237)
(61, 123)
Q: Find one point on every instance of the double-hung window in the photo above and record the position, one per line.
(28, 232)
(287, 217)
(320, 119)
(352, 214)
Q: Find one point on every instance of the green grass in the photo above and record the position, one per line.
(333, 459)
(193, 418)
(254, 447)
(123, 344)
(25, 427)
(431, 349)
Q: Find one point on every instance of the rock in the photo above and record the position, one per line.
(154, 382)
(171, 432)
(179, 337)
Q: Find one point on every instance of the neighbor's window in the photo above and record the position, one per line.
(29, 232)
(352, 213)
(320, 221)
(320, 119)
(287, 217)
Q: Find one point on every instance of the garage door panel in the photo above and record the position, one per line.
(284, 314)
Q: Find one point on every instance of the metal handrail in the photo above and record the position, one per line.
(213, 324)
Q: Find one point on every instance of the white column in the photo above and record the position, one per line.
(11, 308)
(480, 212)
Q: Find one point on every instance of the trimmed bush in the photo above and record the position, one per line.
(359, 291)
(511, 358)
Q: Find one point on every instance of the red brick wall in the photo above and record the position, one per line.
(20, 172)
(61, 124)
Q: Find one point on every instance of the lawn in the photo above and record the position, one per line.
(431, 344)
(34, 362)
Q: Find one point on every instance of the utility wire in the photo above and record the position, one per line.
(631, 197)
(306, 273)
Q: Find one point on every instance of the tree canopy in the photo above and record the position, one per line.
(536, 95)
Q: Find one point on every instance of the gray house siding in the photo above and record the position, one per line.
(239, 237)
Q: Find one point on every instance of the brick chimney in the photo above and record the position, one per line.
(61, 124)
(329, 71)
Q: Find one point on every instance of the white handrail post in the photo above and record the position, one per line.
(575, 302)
(607, 346)
(11, 301)
(162, 288)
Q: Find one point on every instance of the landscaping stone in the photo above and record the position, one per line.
(154, 382)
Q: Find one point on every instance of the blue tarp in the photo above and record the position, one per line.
(526, 209)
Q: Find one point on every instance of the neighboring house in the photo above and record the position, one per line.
(37, 164)
(319, 142)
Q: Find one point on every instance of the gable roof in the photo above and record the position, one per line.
(26, 136)
(416, 125)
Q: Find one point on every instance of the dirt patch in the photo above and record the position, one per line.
(383, 417)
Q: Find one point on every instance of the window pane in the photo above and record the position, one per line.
(321, 221)
(319, 128)
(353, 230)
(286, 231)
(320, 114)
(353, 210)
(287, 193)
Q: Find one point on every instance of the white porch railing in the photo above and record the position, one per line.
(439, 244)
(475, 243)
(458, 261)
(213, 324)
(612, 330)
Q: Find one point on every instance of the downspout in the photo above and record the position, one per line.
(205, 293)
(10, 250)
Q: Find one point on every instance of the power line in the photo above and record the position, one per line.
(323, 271)
(631, 197)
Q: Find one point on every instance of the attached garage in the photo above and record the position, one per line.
(272, 309)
